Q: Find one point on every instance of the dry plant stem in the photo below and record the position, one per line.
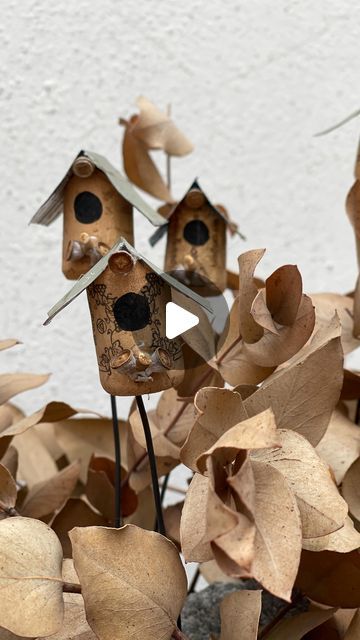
(178, 414)
(269, 627)
(71, 587)
(152, 461)
(117, 506)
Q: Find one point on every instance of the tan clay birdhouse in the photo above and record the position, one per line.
(127, 296)
(97, 203)
(196, 241)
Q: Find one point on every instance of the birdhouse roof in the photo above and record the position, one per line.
(53, 206)
(89, 277)
(158, 234)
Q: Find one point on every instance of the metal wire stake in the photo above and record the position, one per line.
(152, 461)
(117, 449)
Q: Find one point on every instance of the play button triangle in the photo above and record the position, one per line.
(178, 320)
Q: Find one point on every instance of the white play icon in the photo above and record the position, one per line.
(178, 320)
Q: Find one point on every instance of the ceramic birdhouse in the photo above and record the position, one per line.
(127, 296)
(196, 241)
(97, 205)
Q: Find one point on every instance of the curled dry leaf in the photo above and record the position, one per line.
(100, 489)
(35, 462)
(351, 489)
(304, 394)
(261, 313)
(10, 460)
(240, 614)
(132, 570)
(249, 329)
(193, 522)
(330, 578)
(257, 432)
(13, 383)
(340, 446)
(30, 582)
(353, 632)
(8, 490)
(274, 349)
(343, 540)
(297, 626)
(283, 294)
(158, 131)
(322, 509)
(172, 517)
(46, 497)
(52, 412)
(211, 572)
(219, 410)
(169, 419)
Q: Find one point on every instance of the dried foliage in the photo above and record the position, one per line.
(267, 429)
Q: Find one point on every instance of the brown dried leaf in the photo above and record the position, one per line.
(13, 383)
(158, 131)
(283, 294)
(257, 432)
(326, 305)
(234, 551)
(261, 313)
(81, 438)
(30, 581)
(353, 632)
(52, 412)
(340, 445)
(46, 497)
(297, 626)
(100, 489)
(272, 350)
(172, 517)
(350, 488)
(304, 394)
(75, 513)
(168, 419)
(134, 570)
(219, 410)
(330, 578)
(278, 532)
(322, 509)
(7, 344)
(240, 614)
(145, 515)
(75, 625)
(343, 540)
(35, 462)
(249, 329)
(10, 460)
(211, 572)
(8, 490)
(193, 521)
(163, 447)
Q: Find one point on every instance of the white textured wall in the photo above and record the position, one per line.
(250, 82)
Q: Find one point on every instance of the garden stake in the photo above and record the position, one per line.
(117, 449)
(152, 462)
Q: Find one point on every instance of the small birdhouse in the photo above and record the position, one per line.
(127, 296)
(97, 203)
(196, 241)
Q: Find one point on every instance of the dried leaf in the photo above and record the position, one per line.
(75, 625)
(219, 410)
(326, 304)
(343, 540)
(145, 515)
(322, 509)
(257, 432)
(134, 570)
(75, 513)
(340, 445)
(30, 582)
(163, 447)
(261, 313)
(249, 329)
(7, 344)
(240, 614)
(10, 460)
(283, 294)
(351, 490)
(353, 632)
(35, 462)
(168, 419)
(46, 497)
(193, 521)
(13, 383)
(297, 626)
(272, 350)
(158, 131)
(80, 438)
(172, 517)
(304, 394)
(234, 551)
(100, 489)
(52, 412)
(8, 490)
(278, 532)
(211, 572)
(330, 578)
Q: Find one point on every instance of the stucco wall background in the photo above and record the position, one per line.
(249, 82)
